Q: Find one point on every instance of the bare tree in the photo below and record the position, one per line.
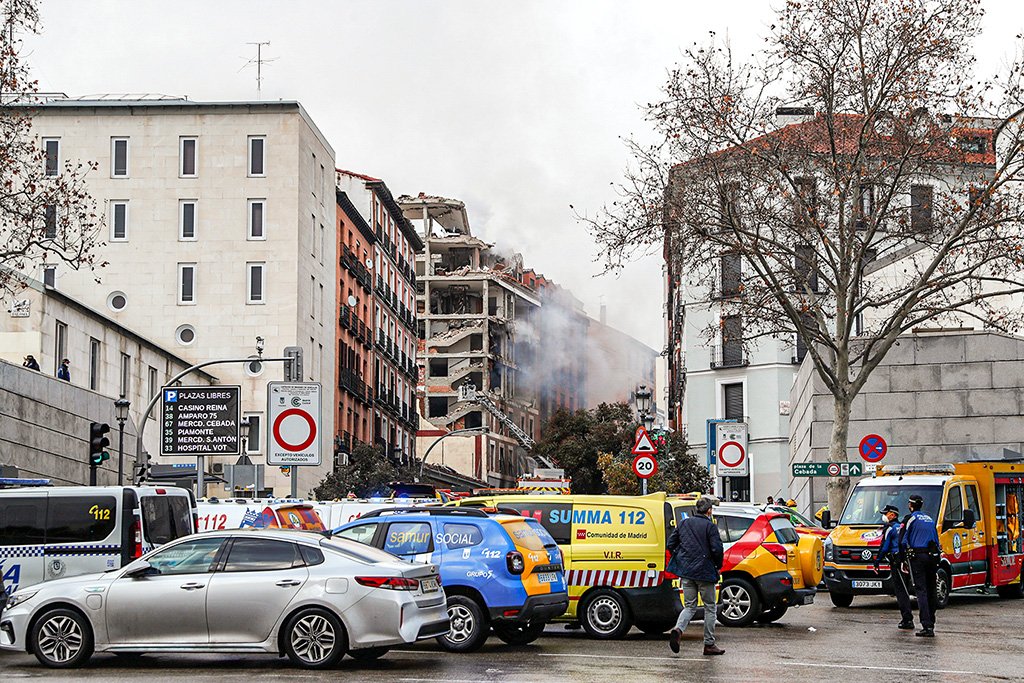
(887, 196)
(46, 214)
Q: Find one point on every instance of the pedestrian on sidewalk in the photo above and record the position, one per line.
(890, 552)
(919, 540)
(63, 372)
(30, 363)
(696, 549)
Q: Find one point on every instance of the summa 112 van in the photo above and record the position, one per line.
(51, 532)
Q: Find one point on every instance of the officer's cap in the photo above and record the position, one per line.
(890, 508)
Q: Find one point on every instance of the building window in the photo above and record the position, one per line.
(253, 445)
(189, 153)
(732, 401)
(119, 221)
(256, 153)
(185, 335)
(119, 155)
(187, 220)
(126, 374)
(51, 151)
(257, 211)
(921, 198)
(323, 243)
(320, 303)
(730, 353)
(50, 276)
(186, 283)
(153, 388)
(60, 344)
(806, 272)
(312, 297)
(255, 280)
(94, 364)
(117, 301)
(864, 207)
(731, 275)
(312, 235)
(50, 221)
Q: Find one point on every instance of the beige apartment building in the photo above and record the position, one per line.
(220, 227)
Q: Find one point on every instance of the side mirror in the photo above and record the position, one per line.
(826, 519)
(141, 571)
(969, 519)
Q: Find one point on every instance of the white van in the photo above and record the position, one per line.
(218, 514)
(49, 532)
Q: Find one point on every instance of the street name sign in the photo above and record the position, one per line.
(828, 469)
(293, 423)
(200, 421)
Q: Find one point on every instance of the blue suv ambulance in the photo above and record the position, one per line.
(498, 571)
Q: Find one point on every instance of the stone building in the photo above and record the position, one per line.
(220, 221)
(938, 396)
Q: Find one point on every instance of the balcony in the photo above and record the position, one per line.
(352, 382)
(730, 355)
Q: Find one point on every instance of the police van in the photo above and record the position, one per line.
(48, 532)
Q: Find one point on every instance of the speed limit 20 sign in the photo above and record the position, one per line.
(645, 466)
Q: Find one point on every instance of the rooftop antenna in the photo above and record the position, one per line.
(259, 61)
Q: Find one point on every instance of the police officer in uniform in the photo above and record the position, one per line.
(920, 542)
(890, 552)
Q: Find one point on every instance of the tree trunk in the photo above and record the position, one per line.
(838, 487)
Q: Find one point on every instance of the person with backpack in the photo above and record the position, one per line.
(919, 541)
(697, 554)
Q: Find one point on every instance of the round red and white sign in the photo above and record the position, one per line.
(294, 430)
(645, 466)
(731, 454)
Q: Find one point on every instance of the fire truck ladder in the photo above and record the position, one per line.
(468, 392)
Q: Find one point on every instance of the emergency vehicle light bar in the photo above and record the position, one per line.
(916, 469)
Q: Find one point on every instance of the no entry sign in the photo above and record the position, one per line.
(732, 459)
(293, 423)
(873, 448)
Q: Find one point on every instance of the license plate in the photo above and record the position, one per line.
(428, 585)
(867, 584)
(547, 577)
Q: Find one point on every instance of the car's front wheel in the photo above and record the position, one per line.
(469, 627)
(61, 639)
(942, 588)
(315, 639)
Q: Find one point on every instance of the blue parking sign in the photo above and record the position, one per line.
(170, 395)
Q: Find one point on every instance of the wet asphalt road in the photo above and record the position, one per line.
(979, 638)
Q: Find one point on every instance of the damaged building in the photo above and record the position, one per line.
(479, 313)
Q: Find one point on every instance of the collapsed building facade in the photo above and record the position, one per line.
(480, 326)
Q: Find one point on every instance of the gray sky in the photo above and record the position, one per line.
(514, 107)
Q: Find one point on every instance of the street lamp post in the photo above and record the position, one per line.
(121, 415)
(642, 399)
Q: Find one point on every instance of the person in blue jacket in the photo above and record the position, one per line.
(697, 554)
(919, 540)
(890, 552)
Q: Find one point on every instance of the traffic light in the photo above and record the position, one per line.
(293, 367)
(97, 448)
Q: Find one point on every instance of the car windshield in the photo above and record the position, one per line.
(866, 501)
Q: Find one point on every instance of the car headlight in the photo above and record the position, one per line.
(827, 545)
(19, 597)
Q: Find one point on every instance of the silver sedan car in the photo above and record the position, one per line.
(285, 592)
